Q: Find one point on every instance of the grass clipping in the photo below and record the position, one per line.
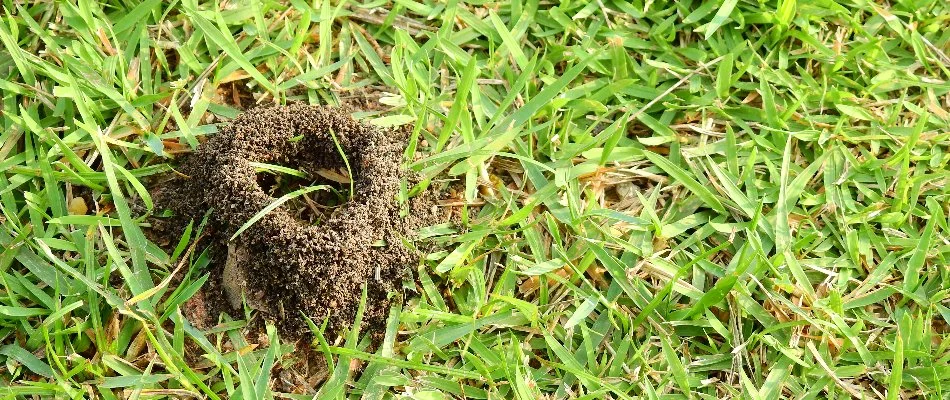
(284, 266)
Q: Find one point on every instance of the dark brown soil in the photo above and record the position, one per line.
(288, 267)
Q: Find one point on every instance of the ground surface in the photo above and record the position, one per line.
(654, 199)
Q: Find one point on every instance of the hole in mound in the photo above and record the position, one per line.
(312, 196)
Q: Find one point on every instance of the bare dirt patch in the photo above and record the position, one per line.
(286, 265)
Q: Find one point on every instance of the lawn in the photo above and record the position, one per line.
(654, 199)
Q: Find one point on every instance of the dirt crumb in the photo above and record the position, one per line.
(285, 265)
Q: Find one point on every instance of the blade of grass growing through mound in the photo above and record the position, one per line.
(346, 161)
(277, 168)
(270, 207)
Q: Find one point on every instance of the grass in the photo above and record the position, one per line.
(693, 199)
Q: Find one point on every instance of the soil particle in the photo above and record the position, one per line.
(286, 267)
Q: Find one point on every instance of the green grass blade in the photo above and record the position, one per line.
(276, 203)
(683, 177)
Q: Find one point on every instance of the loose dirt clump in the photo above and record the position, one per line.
(285, 266)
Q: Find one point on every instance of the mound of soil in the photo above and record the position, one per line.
(286, 266)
